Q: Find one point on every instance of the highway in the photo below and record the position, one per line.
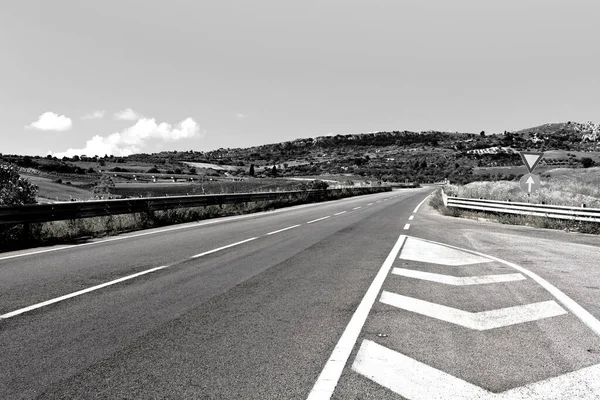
(370, 297)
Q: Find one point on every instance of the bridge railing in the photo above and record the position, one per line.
(539, 210)
(64, 211)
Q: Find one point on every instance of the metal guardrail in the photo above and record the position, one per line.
(63, 211)
(539, 210)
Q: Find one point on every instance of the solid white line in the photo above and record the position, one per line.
(356, 208)
(419, 205)
(78, 293)
(318, 219)
(406, 227)
(457, 280)
(329, 377)
(480, 321)
(411, 217)
(284, 229)
(414, 380)
(223, 248)
(340, 213)
(566, 301)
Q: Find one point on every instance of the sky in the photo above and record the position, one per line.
(128, 76)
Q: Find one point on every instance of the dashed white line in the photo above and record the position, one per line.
(318, 219)
(329, 377)
(79, 293)
(340, 213)
(224, 247)
(284, 229)
(411, 217)
(406, 227)
(356, 208)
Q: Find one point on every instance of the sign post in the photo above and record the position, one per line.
(530, 183)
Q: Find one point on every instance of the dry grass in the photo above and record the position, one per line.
(564, 186)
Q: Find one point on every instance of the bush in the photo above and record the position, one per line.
(14, 190)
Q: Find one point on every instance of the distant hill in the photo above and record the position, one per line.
(396, 156)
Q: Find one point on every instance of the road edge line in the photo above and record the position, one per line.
(332, 371)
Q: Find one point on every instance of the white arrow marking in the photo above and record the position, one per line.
(457, 280)
(417, 381)
(529, 182)
(480, 321)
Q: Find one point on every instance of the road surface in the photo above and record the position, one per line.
(371, 297)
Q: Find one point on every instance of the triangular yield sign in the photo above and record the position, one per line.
(531, 159)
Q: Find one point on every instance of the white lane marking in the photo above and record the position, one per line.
(340, 213)
(480, 321)
(457, 280)
(330, 375)
(419, 205)
(406, 227)
(414, 380)
(566, 301)
(411, 217)
(79, 293)
(436, 253)
(224, 247)
(370, 204)
(410, 378)
(356, 208)
(318, 219)
(284, 229)
(176, 228)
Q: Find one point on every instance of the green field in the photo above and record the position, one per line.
(49, 190)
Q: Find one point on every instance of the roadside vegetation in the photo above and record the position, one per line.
(564, 187)
(77, 230)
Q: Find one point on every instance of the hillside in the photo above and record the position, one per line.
(397, 156)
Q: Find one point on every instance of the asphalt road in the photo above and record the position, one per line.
(345, 299)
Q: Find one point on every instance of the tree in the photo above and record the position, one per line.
(587, 162)
(274, 171)
(482, 133)
(14, 190)
(251, 172)
(103, 187)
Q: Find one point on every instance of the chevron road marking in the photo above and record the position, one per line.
(457, 280)
(480, 321)
(331, 373)
(417, 381)
(423, 251)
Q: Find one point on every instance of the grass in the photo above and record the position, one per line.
(211, 187)
(566, 187)
(58, 232)
(563, 186)
(50, 190)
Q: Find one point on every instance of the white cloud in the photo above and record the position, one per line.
(97, 114)
(50, 121)
(134, 139)
(127, 115)
(240, 115)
